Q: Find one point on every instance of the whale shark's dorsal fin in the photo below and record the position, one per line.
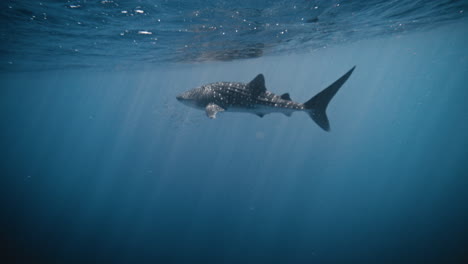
(286, 96)
(257, 85)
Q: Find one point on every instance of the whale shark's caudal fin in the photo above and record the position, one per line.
(318, 104)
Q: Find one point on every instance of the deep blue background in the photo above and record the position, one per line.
(106, 166)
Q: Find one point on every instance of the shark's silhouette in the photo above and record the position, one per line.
(253, 98)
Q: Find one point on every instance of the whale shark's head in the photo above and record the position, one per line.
(193, 98)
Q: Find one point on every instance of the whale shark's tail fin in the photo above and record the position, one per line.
(318, 104)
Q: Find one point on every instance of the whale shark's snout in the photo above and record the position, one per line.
(192, 94)
(185, 96)
(191, 98)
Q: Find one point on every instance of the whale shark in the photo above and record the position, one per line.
(253, 97)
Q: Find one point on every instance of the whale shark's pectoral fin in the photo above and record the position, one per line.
(257, 85)
(212, 109)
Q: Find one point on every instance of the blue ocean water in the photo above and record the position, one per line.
(100, 163)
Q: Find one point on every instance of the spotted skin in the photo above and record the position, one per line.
(237, 97)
